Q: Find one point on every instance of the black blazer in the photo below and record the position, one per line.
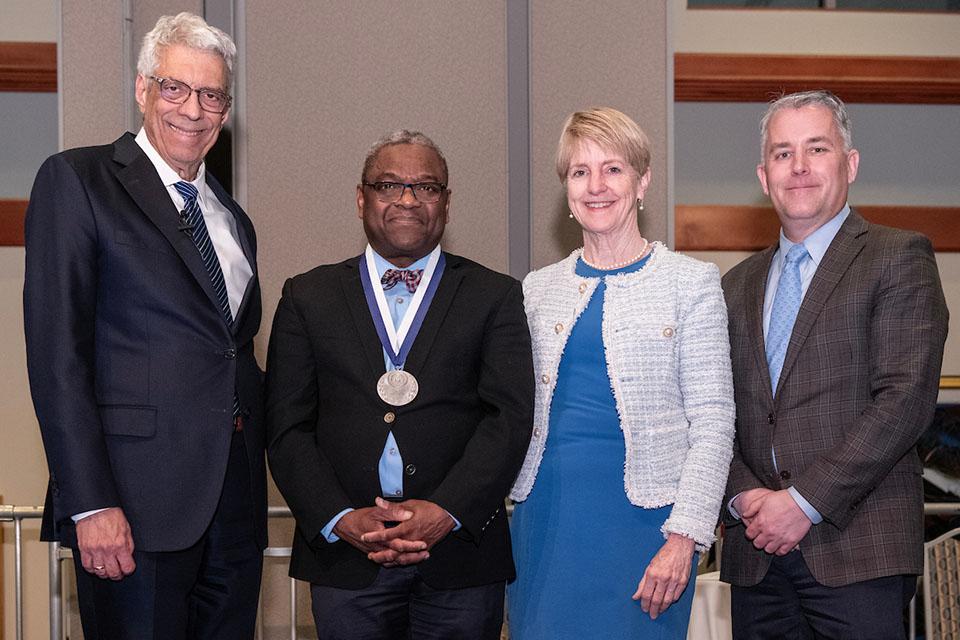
(462, 439)
(132, 366)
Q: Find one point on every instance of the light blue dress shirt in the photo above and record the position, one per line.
(390, 468)
(817, 244)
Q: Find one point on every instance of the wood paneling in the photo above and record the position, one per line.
(750, 228)
(708, 77)
(28, 66)
(11, 222)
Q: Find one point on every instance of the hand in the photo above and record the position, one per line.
(666, 576)
(750, 501)
(410, 541)
(106, 544)
(354, 524)
(776, 523)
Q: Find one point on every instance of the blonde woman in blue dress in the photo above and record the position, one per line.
(633, 433)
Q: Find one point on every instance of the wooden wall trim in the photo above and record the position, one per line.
(710, 77)
(12, 213)
(28, 66)
(751, 228)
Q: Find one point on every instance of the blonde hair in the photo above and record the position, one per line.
(609, 129)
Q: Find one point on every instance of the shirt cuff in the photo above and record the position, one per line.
(327, 531)
(456, 523)
(86, 514)
(805, 506)
(733, 510)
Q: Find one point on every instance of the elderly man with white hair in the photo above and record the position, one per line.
(141, 301)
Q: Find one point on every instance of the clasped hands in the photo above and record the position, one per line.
(774, 521)
(421, 524)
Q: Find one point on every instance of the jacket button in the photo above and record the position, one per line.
(558, 328)
(545, 379)
(536, 433)
(583, 287)
(410, 469)
(771, 419)
(668, 332)
(389, 417)
(784, 475)
(230, 354)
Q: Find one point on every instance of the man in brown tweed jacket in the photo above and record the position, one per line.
(836, 338)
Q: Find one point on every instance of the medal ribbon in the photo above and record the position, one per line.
(397, 342)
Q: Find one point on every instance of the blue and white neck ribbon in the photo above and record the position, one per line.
(397, 341)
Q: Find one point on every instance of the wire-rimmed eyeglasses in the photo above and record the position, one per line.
(212, 100)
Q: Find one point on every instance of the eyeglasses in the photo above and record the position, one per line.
(178, 92)
(425, 192)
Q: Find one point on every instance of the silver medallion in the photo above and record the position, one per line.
(397, 387)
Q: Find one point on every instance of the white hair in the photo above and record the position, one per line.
(191, 31)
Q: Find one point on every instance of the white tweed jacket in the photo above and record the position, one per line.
(668, 359)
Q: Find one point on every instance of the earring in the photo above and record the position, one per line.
(639, 205)
(570, 215)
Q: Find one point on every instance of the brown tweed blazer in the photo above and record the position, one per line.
(858, 387)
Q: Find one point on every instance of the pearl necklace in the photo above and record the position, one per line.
(617, 265)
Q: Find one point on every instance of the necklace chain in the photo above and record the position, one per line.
(617, 265)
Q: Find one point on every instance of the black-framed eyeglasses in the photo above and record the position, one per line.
(212, 100)
(425, 192)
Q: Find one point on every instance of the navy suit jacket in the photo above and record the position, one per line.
(132, 366)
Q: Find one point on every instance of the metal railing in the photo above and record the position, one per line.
(57, 554)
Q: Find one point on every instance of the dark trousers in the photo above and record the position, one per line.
(789, 604)
(206, 592)
(400, 606)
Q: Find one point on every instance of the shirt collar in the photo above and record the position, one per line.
(382, 264)
(819, 241)
(167, 174)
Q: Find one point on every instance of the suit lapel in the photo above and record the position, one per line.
(756, 283)
(446, 290)
(356, 301)
(139, 178)
(846, 245)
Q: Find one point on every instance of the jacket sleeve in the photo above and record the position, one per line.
(475, 487)
(303, 474)
(706, 385)
(907, 331)
(60, 305)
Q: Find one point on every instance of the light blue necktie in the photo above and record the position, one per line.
(783, 315)
(201, 238)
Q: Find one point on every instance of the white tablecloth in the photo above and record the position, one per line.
(710, 615)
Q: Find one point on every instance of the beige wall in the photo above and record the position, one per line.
(618, 57)
(28, 21)
(324, 85)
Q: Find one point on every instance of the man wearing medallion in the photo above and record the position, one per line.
(400, 404)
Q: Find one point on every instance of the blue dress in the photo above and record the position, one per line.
(580, 547)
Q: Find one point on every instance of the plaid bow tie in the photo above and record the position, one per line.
(410, 277)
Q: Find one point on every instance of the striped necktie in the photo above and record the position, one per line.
(194, 219)
(783, 315)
